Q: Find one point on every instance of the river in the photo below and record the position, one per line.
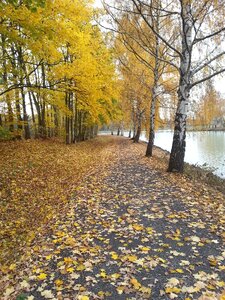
(203, 148)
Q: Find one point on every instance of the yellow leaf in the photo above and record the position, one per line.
(135, 283)
(173, 290)
(220, 283)
(179, 271)
(132, 258)
(222, 297)
(83, 297)
(145, 249)
(42, 276)
(68, 260)
(200, 244)
(80, 267)
(212, 261)
(115, 275)
(58, 282)
(177, 231)
(103, 274)
(137, 227)
(114, 255)
(120, 290)
(70, 270)
(211, 287)
(12, 267)
(171, 216)
(145, 290)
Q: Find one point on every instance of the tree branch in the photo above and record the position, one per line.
(207, 78)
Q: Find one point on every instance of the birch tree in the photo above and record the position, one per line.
(194, 39)
(148, 49)
(197, 29)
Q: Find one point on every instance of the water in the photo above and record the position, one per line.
(203, 148)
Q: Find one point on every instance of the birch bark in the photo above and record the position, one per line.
(176, 162)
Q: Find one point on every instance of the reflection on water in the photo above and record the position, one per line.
(202, 148)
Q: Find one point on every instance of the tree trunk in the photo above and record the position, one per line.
(134, 122)
(43, 131)
(71, 118)
(153, 102)
(137, 136)
(129, 134)
(38, 110)
(5, 82)
(32, 113)
(67, 125)
(10, 113)
(138, 133)
(25, 117)
(152, 119)
(75, 136)
(176, 162)
(16, 92)
(56, 122)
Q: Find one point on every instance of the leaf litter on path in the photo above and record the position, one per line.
(131, 231)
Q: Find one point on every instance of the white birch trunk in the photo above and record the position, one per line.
(154, 95)
(176, 162)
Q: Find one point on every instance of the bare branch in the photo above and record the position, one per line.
(209, 36)
(207, 78)
(153, 29)
(207, 63)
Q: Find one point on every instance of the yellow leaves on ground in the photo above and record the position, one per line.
(138, 286)
(32, 196)
(92, 249)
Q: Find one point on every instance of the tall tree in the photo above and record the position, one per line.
(145, 46)
(195, 30)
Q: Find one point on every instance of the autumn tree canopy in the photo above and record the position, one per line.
(58, 75)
